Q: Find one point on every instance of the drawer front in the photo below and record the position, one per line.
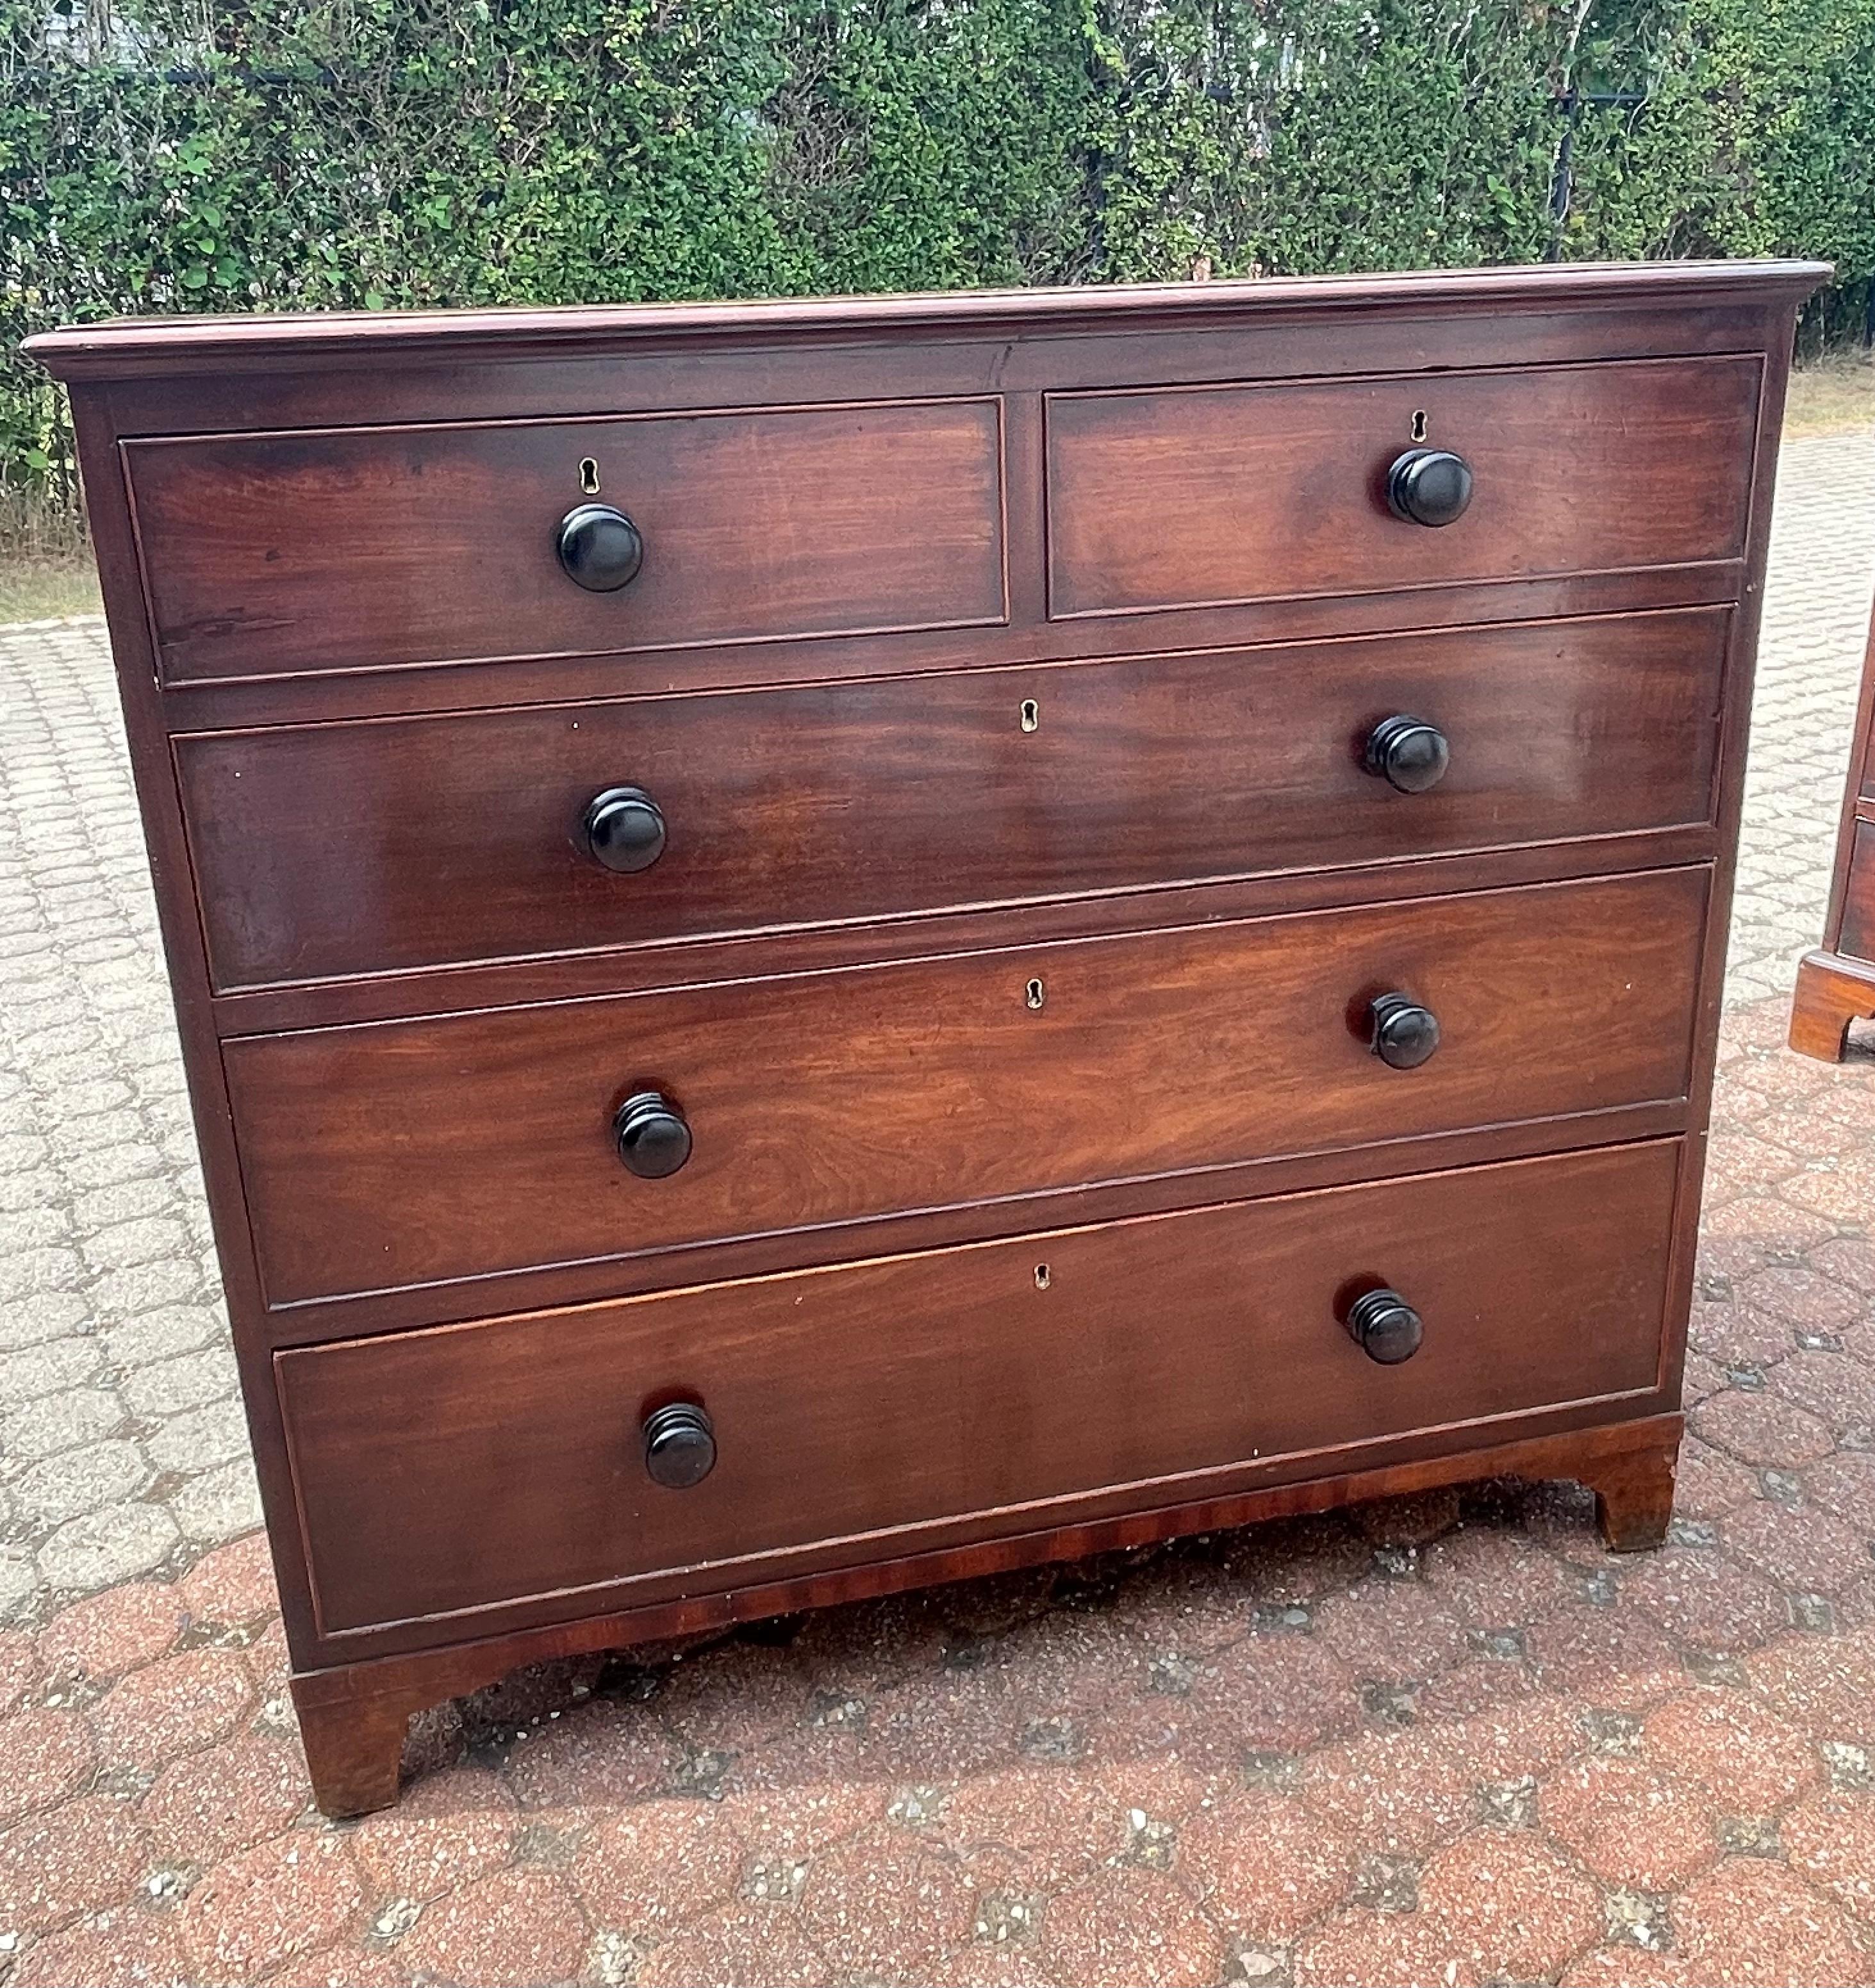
(404, 1153)
(286, 554)
(858, 1410)
(1857, 938)
(383, 845)
(1173, 497)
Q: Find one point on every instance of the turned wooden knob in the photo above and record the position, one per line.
(1429, 486)
(600, 548)
(651, 1134)
(1385, 1326)
(1403, 1033)
(624, 829)
(680, 1445)
(1407, 753)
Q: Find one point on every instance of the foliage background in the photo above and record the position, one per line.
(226, 155)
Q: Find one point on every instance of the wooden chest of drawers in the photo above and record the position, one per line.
(1836, 986)
(829, 945)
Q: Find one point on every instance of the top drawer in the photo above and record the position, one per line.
(292, 554)
(1178, 497)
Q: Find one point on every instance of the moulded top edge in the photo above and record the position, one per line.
(143, 347)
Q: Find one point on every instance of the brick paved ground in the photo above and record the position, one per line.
(1448, 1740)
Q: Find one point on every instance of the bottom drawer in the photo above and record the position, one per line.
(872, 1409)
(1858, 937)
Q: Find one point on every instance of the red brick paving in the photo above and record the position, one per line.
(1747, 1759)
(1629, 1826)
(46, 1754)
(659, 1865)
(1832, 1842)
(514, 1928)
(1357, 1945)
(1127, 1924)
(292, 1894)
(20, 1657)
(233, 1584)
(207, 1806)
(1509, 1905)
(742, 1943)
(1752, 1920)
(1444, 1739)
(1267, 1864)
(107, 1634)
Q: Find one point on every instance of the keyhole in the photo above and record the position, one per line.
(1041, 1277)
(1035, 994)
(1031, 713)
(589, 476)
(1419, 424)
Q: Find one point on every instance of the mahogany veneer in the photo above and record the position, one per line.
(1170, 496)
(836, 1404)
(374, 846)
(277, 555)
(1836, 986)
(826, 945)
(423, 1152)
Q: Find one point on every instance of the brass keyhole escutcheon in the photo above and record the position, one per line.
(1035, 994)
(589, 476)
(1030, 713)
(1419, 424)
(1041, 1277)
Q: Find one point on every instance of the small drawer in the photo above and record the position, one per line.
(862, 1412)
(380, 846)
(417, 1152)
(1199, 497)
(295, 554)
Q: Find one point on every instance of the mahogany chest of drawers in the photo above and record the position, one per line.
(828, 946)
(1836, 986)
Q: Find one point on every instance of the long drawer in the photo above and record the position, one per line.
(1190, 497)
(291, 554)
(379, 846)
(393, 1154)
(866, 1409)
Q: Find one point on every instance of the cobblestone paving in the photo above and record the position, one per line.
(1446, 1739)
(1816, 619)
(122, 1446)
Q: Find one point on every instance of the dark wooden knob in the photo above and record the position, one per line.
(624, 829)
(1385, 1326)
(680, 1445)
(1429, 486)
(1404, 1033)
(599, 547)
(1407, 753)
(652, 1137)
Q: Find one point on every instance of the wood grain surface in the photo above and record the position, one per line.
(1857, 935)
(852, 1405)
(1170, 498)
(288, 554)
(421, 1152)
(349, 344)
(323, 851)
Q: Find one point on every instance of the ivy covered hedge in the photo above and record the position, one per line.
(225, 155)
